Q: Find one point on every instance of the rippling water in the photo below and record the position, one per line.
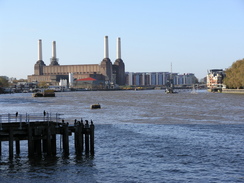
(140, 136)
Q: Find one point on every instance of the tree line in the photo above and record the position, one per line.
(234, 78)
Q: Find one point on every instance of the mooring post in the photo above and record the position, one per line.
(54, 144)
(76, 134)
(65, 139)
(87, 137)
(79, 138)
(37, 147)
(92, 138)
(30, 141)
(17, 146)
(49, 145)
(11, 143)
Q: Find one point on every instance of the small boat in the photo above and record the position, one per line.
(44, 93)
(169, 91)
(95, 106)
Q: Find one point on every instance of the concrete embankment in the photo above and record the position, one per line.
(236, 91)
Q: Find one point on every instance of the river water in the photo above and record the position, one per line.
(140, 136)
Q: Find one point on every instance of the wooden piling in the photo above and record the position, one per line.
(49, 143)
(65, 139)
(54, 144)
(92, 138)
(78, 138)
(41, 137)
(11, 144)
(30, 141)
(17, 146)
(87, 138)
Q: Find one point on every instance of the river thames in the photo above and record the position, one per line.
(140, 136)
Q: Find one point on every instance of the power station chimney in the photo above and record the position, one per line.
(119, 66)
(54, 50)
(38, 68)
(106, 47)
(39, 49)
(54, 60)
(118, 48)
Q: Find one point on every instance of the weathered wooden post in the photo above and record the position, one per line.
(65, 139)
(53, 139)
(37, 146)
(79, 137)
(30, 141)
(49, 144)
(54, 144)
(87, 137)
(11, 143)
(17, 146)
(92, 127)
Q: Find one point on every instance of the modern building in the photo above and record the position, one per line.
(110, 74)
(158, 78)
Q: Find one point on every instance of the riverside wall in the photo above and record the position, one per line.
(237, 91)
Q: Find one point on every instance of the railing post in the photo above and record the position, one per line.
(20, 121)
(8, 117)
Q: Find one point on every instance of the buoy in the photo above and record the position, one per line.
(95, 106)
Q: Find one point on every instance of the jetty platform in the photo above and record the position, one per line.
(41, 130)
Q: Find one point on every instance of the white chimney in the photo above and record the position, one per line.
(118, 48)
(54, 50)
(106, 47)
(39, 49)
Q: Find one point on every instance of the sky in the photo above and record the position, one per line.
(194, 35)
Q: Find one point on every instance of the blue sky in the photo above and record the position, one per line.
(193, 35)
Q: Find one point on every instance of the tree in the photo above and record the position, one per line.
(235, 75)
(3, 82)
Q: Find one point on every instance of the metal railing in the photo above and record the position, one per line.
(33, 117)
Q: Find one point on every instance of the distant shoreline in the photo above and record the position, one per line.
(235, 91)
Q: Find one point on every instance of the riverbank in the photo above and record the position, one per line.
(236, 91)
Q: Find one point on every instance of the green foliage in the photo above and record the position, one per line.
(3, 82)
(235, 75)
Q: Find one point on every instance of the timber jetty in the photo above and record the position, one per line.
(41, 130)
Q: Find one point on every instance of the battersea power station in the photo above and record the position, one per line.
(103, 75)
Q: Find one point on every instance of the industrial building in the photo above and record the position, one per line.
(106, 74)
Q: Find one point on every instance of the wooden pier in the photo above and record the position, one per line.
(41, 130)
